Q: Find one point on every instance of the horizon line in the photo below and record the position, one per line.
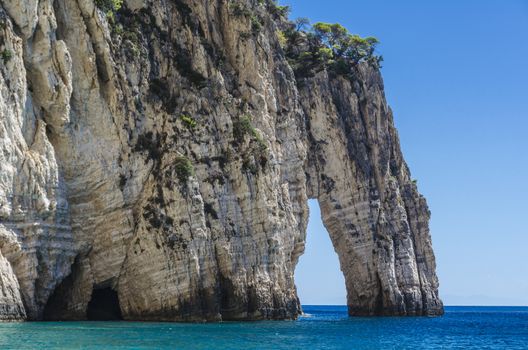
(452, 305)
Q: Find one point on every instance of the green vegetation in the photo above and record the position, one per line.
(302, 23)
(256, 26)
(255, 157)
(238, 9)
(283, 40)
(245, 35)
(278, 10)
(6, 55)
(109, 7)
(131, 36)
(184, 168)
(118, 29)
(188, 121)
(328, 46)
(131, 41)
(344, 46)
(129, 29)
(243, 127)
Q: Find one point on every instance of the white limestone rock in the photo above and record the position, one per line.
(168, 154)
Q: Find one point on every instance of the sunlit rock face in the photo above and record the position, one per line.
(158, 162)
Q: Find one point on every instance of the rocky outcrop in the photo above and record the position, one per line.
(165, 153)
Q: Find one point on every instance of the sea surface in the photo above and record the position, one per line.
(322, 327)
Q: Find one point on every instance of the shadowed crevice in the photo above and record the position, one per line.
(59, 305)
(104, 306)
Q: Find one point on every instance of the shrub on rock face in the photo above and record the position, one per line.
(255, 154)
(281, 37)
(256, 26)
(188, 121)
(109, 5)
(184, 168)
(239, 9)
(243, 127)
(278, 10)
(325, 54)
(7, 55)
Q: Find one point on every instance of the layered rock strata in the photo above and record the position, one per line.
(165, 152)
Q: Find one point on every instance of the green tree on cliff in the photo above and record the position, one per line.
(345, 46)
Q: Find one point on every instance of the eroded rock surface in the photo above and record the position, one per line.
(167, 152)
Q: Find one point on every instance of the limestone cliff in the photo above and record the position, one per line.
(165, 152)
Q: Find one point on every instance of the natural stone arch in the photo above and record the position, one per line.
(377, 220)
(226, 245)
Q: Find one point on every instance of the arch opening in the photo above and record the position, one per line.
(104, 306)
(318, 275)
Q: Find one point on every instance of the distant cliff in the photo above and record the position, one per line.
(157, 158)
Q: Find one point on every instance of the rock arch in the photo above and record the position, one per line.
(377, 220)
(96, 131)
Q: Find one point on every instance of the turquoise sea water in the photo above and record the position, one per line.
(323, 327)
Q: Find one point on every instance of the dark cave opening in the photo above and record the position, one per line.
(57, 306)
(104, 306)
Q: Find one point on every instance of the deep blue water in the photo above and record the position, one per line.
(323, 327)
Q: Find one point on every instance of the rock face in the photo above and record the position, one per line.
(161, 158)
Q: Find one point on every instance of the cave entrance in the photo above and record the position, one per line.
(104, 306)
(318, 276)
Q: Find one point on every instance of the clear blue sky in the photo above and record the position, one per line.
(456, 76)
